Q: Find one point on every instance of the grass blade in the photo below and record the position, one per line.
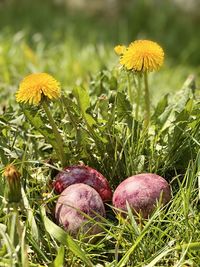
(59, 260)
(64, 238)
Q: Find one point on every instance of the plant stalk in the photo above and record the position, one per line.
(138, 97)
(57, 135)
(147, 101)
(130, 91)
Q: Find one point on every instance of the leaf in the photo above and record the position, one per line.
(40, 124)
(83, 100)
(161, 106)
(3, 227)
(9, 245)
(59, 260)
(159, 257)
(24, 252)
(30, 217)
(132, 219)
(198, 174)
(36, 246)
(123, 106)
(126, 256)
(185, 96)
(72, 111)
(103, 105)
(64, 238)
(166, 250)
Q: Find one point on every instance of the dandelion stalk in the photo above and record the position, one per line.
(57, 135)
(138, 97)
(147, 100)
(130, 91)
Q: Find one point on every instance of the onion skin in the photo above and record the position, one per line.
(72, 203)
(142, 191)
(83, 174)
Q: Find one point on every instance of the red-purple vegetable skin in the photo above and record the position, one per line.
(142, 191)
(83, 174)
(75, 201)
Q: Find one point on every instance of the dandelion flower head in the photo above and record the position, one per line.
(11, 172)
(34, 86)
(142, 56)
(120, 49)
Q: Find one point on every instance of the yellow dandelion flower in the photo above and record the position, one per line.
(142, 56)
(36, 85)
(120, 49)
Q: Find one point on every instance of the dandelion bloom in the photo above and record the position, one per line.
(120, 49)
(36, 85)
(142, 56)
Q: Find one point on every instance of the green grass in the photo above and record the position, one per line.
(96, 119)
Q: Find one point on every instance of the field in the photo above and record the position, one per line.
(103, 125)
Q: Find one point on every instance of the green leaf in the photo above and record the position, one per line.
(185, 96)
(103, 105)
(72, 111)
(127, 255)
(59, 260)
(64, 238)
(40, 124)
(30, 217)
(83, 101)
(124, 108)
(165, 251)
(24, 252)
(161, 106)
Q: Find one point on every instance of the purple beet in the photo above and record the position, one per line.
(83, 174)
(73, 202)
(142, 191)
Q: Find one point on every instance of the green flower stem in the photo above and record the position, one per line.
(130, 91)
(147, 101)
(58, 137)
(138, 97)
